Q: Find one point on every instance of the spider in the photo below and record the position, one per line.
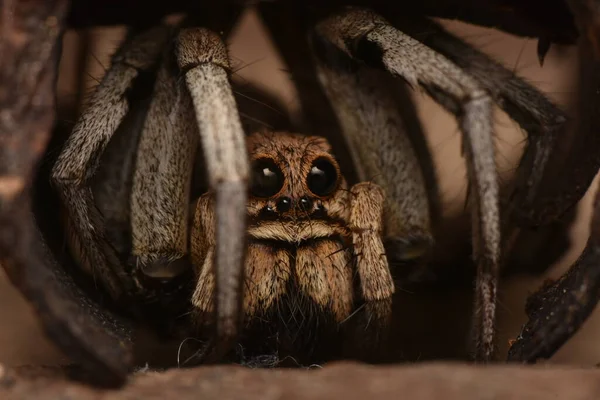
(346, 45)
(352, 54)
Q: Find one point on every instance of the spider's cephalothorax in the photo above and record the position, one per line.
(312, 243)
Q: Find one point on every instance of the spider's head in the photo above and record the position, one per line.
(294, 178)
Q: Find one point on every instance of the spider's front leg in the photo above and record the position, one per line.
(163, 168)
(202, 58)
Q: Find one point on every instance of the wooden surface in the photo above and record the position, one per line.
(340, 381)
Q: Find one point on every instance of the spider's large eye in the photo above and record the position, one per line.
(267, 178)
(323, 177)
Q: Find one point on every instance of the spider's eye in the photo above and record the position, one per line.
(323, 177)
(267, 178)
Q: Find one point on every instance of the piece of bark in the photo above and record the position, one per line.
(81, 327)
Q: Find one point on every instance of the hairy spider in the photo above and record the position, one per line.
(346, 79)
(192, 99)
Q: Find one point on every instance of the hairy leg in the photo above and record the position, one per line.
(113, 180)
(202, 57)
(366, 37)
(544, 122)
(79, 159)
(560, 161)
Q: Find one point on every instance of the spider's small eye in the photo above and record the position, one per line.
(267, 178)
(323, 177)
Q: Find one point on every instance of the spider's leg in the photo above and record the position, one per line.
(365, 36)
(113, 179)
(162, 179)
(559, 309)
(79, 159)
(549, 181)
(203, 59)
(376, 283)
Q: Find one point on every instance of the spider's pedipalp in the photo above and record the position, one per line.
(78, 161)
(366, 224)
(366, 37)
(202, 252)
(376, 283)
(202, 57)
(549, 181)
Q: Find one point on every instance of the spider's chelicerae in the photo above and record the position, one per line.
(299, 233)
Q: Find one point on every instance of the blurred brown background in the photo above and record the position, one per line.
(254, 59)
